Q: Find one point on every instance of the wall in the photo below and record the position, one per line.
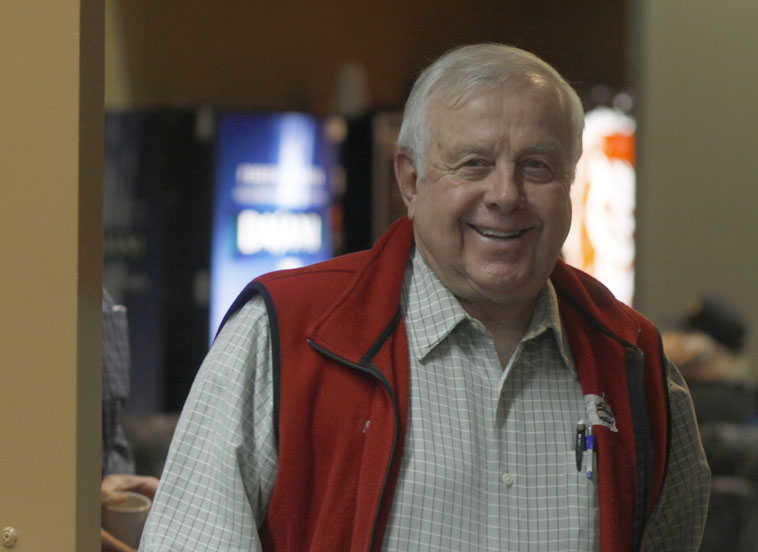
(287, 54)
(697, 145)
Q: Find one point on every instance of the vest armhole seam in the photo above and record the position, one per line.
(667, 399)
(276, 356)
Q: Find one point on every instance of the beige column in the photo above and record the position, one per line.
(51, 165)
(697, 82)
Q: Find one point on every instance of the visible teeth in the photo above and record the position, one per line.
(498, 234)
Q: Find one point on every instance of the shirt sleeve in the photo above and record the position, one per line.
(221, 465)
(117, 456)
(678, 519)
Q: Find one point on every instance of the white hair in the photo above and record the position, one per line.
(462, 69)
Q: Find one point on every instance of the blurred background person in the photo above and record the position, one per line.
(118, 461)
(707, 344)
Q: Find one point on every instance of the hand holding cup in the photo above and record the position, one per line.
(126, 501)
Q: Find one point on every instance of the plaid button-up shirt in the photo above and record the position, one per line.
(489, 462)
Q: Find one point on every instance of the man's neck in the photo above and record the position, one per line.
(506, 323)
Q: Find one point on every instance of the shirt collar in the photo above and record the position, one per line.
(546, 317)
(432, 312)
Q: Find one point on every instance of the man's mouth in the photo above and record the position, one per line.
(499, 234)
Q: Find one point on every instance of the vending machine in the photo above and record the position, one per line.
(273, 205)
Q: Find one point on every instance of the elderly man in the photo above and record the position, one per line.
(456, 387)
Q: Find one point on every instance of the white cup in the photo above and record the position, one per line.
(126, 519)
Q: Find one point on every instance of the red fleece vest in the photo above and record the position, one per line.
(341, 359)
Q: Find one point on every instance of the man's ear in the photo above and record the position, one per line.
(407, 176)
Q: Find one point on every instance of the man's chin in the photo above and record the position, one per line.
(504, 290)
(505, 281)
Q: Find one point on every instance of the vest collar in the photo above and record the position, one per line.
(596, 303)
(364, 315)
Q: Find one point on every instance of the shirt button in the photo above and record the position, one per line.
(508, 479)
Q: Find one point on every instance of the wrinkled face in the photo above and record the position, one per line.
(493, 209)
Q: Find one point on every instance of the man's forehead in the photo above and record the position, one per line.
(540, 90)
(483, 142)
(543, 109)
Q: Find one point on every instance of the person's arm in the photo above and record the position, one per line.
(221, 465)
(678, 519)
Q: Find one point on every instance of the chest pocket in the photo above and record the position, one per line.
(570, 500)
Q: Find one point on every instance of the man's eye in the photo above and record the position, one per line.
(537, 170)
(534, 164)
(476, 162)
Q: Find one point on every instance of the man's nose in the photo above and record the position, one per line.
(504, 191)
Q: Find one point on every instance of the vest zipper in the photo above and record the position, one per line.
(372, 371)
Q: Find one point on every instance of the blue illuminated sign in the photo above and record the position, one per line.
(271, 200)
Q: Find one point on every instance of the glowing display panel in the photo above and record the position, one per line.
(601, 240)
(271, 200)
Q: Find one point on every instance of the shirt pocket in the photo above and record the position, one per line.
(564, 500)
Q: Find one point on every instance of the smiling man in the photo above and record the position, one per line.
(492, 208)
(456, 387)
